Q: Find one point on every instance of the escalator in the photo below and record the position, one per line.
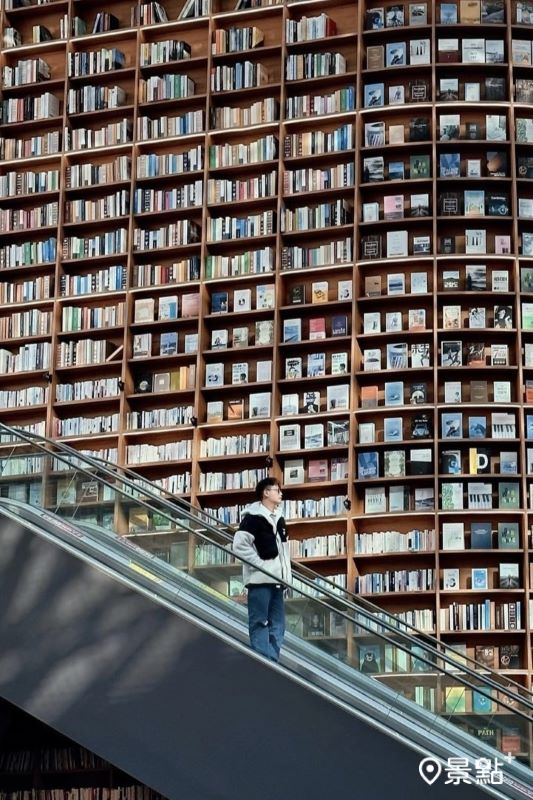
(148, 666)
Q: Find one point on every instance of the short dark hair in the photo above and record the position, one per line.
(263, 485)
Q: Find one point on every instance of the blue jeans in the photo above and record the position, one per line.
(266, 619)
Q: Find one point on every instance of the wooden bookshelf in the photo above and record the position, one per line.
(293, 239)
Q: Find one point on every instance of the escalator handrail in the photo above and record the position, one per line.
(44, 443)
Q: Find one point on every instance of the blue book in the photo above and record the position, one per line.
(374, 95)
(367, 465)
(477, 427)
(450, 165)
(481, 704)
(529, 426)
(480, 536)
(219, 302)
(168, 344)
(452, 425)
(394, 393)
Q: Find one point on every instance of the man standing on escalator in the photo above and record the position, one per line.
(262, 541)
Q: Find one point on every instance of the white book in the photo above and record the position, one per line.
(397, 242)
(419, 282)
(339, 363)
(293, 367)
(219, 339)
(239, 372)
(367, 432)
(293, 471)
(289, 404)
(419, 51)
(372, 359)
(370, 212)
(500, 280)
(453, 391)
(259, 404)
(375, 500)
(338, 397)
(214, 374)
(502, 391)
(242, 299)
(473, 51)
(453, 536)
(372, 322)
(344, 290)
(313, 436)
(264, 371)
(290, 437)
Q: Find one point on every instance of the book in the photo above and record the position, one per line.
(509, 576)
(367, 465)
(453, 536)
(450, 578)
(508, 535)
(480, 536)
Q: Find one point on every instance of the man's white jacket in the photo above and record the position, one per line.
(262, 541)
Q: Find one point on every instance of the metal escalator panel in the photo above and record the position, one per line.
(436, 690)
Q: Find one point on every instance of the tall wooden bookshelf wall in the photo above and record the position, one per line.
(293, 239)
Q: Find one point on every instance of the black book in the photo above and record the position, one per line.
(143, 383)
(473, 130)
(418, 393)
(525, 166)
(488, 734)
(419, 129)
(371, 246)
(494, 88)
(447, 245)
(297, 294)
(498, 205)
(420, 427)
(509, 656)
(497, 164)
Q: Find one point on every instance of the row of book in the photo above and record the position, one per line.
(483, 616)
(505, 576)
(86, 426)
(86, 210)
(484, 535)
(154, 453)
(25, 219)
(185, 196)
(26, 323)
(299, 471)
(226, 481)
(334, 544)
(94, 61)
(175, 380)
(243, 444)
(28, 357)
(14, 183)
(172, 86)
(79, 318)
(88, 390)
(26, 70)
(159, 418)
(392, 541)
(479, 495)
(18, 398)
(163, 52)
